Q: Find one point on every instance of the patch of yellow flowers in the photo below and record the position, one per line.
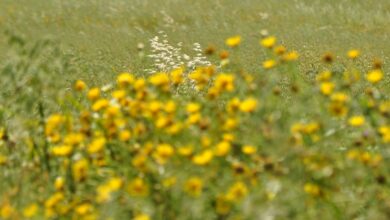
(181, 143)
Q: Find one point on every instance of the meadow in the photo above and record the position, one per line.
(189, 109)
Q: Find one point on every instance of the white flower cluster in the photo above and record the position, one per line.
(167, 57)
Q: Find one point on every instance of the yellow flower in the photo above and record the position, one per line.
(62, 151)
(339, 97)
(163, 152)
(233, 41)
(291, 56)
(125, 135)
(374, 76)
(7, 211)
(248, 149)
(80, 169)
(353, 54)
(194, 186)
(141, 217)
(80, 85)
(139, 84)
(114, 183)
(194, 118)
(83, 209)
(268, 42)
(385, 132)
(54, 199)
(338, 109)
(59, 183)
(229, 137)
(356, 121)
(3, 160)
(100, 104)
(169, 182)
(138, 187)
(203, 158)
(93, 93)
(233, 105)
(186, 150)
(312, 189)
(237, 192)
(170, 107)
(327, 88)
(248, 105)
(125, 79)
(268, 64)
(177, 76)
(222, 148)
(96, 145)
(160, 80)
(230, 124)
(30, 211)
(280, 50)
(311, 127)
(324, 76)
(119, 94)
(103, 193)
(52, 123)
(225, 82)
(73, 139)
(192, 107)
(222, 206)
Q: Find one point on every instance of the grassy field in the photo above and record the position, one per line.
(282, 112)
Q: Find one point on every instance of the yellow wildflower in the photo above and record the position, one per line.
(193, 107)
(353, 54)
(280, 50)
(224, 82)
(125, 135)
(203, 158)
(374, 76)
(59, 183)
(291, 56)
(186, 150)
(163, 152)
(248, 105)
(356, 121)
(7, 211)
(177, 76)
(327, 88)
(138, 187)
(233, 41)
(96, 145)
(80, 169)
(268, 42)
(249, 149)
(312, 189)
(222, 148)
(125, 79)
(141, 217)
(237, 192)
(83, 209)
(3, 160)
(93, 93)
(30, 211)
(100, 104)
(62, 151)
(268, 64)
(80, 85)
(222, 206)
(160, 80)
(194, 186)
(324, 76)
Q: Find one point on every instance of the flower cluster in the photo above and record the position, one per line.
(230, 147)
